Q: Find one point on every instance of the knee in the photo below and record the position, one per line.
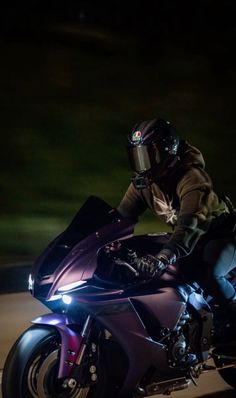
(213, 272)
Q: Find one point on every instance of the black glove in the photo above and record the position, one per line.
(151, 266)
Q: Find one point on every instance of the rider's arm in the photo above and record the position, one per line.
(132, 204)
(198, 205)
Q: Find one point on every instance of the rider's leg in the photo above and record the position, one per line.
(219, 258)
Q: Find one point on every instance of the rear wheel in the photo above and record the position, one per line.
(229, 376)
(220, 358)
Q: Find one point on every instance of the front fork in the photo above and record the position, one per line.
(73, 344)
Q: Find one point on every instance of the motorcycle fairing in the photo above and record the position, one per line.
(119, 315)
(122, 319)
(166, 305)
(72, 256)
(82, 262)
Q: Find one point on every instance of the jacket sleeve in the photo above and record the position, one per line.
(132, 205)
(197, 200)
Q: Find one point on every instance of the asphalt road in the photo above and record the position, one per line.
(18, 309)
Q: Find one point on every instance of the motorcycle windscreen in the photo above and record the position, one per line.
(93, 215)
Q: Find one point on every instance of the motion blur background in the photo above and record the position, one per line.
(75, 76)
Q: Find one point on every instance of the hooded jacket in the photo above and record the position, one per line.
(182, 195)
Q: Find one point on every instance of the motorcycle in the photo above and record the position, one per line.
(109, 331)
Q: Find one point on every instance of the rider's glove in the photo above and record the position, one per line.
(155, 265)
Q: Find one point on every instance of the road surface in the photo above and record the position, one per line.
(18, 309)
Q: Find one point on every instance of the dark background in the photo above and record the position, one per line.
(75, 76)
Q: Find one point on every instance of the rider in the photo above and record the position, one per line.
(170, 179)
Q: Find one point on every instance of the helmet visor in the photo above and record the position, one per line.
(143, 157)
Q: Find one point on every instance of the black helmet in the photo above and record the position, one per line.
(151, 143)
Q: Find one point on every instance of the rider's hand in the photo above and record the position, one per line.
(151, 266)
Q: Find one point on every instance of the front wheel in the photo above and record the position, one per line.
(32, 365)
(31, 368)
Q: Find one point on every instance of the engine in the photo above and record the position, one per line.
(178, 346)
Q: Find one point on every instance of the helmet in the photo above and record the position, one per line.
(150, 144)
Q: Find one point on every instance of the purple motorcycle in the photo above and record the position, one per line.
(110, 332)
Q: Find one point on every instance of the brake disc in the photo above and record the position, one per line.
(43, 377)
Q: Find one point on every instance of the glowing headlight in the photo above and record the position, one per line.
(66, 299)
(71, 286)
(30, 282)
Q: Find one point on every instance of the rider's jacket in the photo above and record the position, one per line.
(183, 196)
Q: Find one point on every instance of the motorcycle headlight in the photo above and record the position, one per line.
(66, 299)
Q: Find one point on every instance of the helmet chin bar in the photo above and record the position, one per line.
(142, 181)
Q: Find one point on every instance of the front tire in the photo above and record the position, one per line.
(30, 370)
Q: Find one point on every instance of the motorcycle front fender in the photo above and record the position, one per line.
(71, 341)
